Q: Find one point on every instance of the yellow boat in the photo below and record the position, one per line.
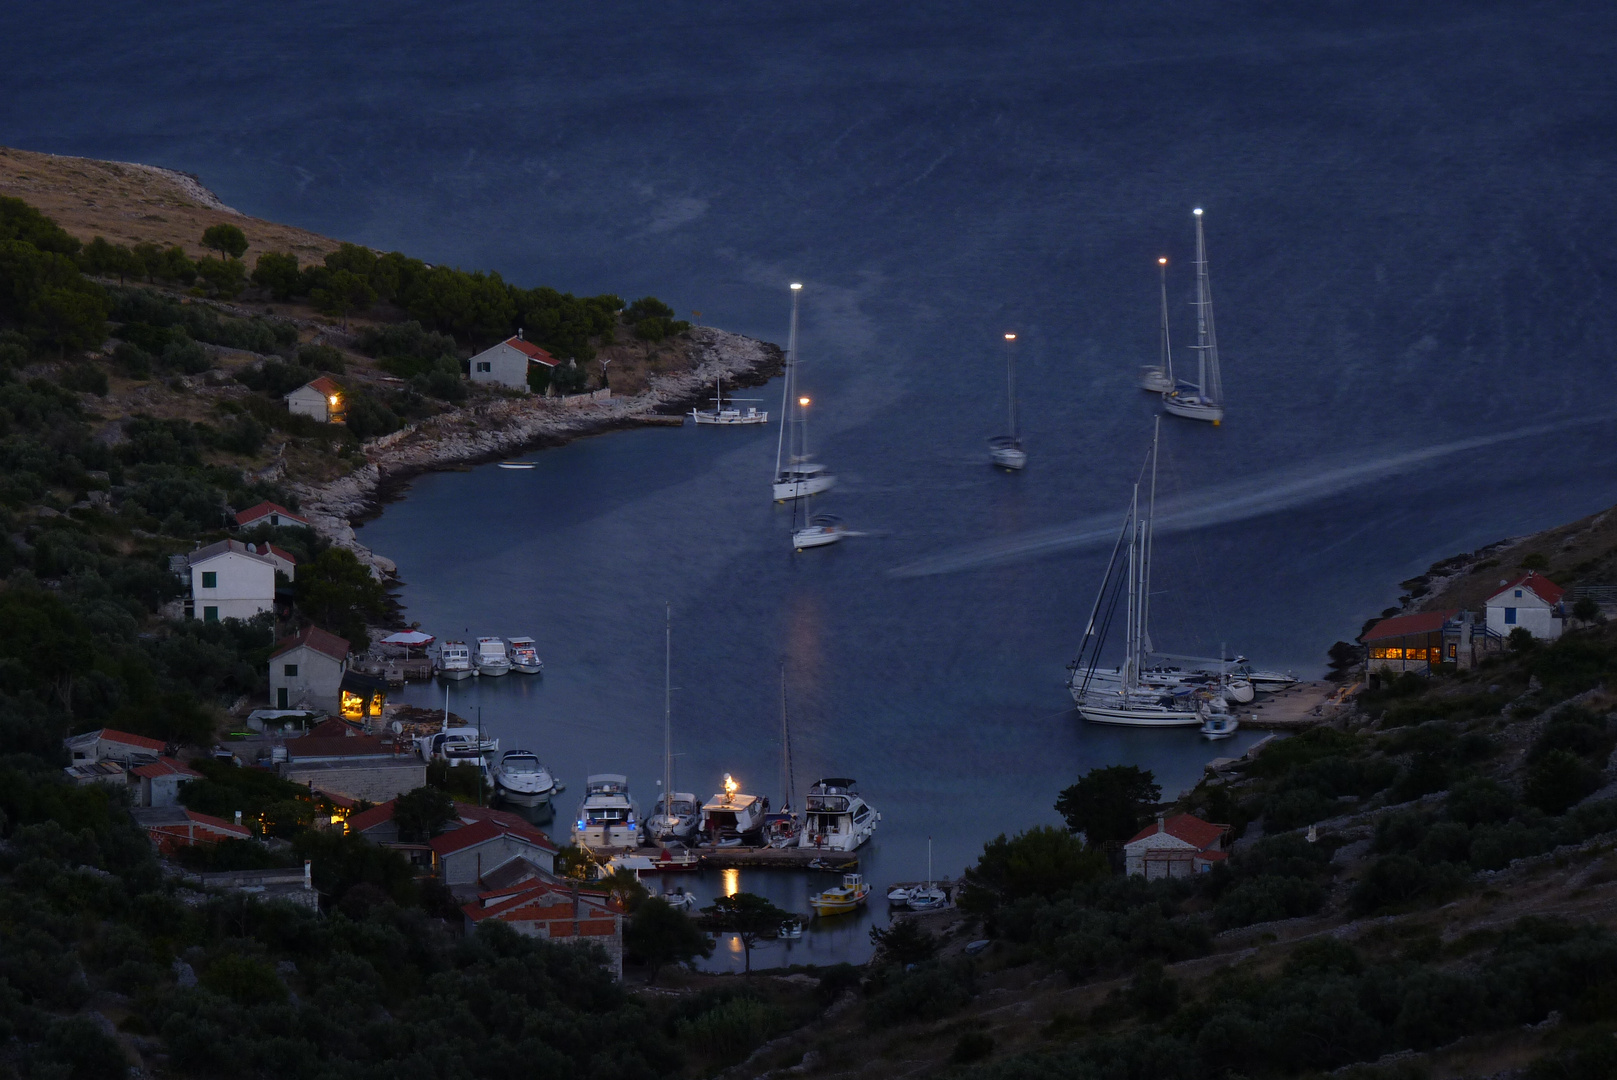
(843, 898)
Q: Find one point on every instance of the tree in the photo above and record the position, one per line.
(905, 942)
(1108, 804)
(1586, 610)
(625, 887)
(337, 592)
(1042, 861)
(277, 273)
(749, 917)
(421, 814)
(225, 239)
(226, 278)
(658, 935)
(1521, 640)
(342, 291)
(574, 863)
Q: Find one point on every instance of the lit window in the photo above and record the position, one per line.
(353, 705)
(1454, 650)
(1510, 616)
(210, 579)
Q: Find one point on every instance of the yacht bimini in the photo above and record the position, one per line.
(836, 818)
(608, 817)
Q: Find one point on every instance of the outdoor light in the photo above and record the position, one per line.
(730, 787)
(334, 399)
(1163, 261)
(795, 285)
(1010, 337)
(803, 401)
(1197, 211)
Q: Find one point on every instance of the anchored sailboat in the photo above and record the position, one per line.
(797, 474)
(1158, 378)
(1006, 450)
(1203, 400)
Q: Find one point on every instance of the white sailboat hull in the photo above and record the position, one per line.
(1155, 380)
(1193, 407)
(786, 490)
(1239, 692)
(728, 417)
(815, 536)
(1008, 457)
(1123, 714)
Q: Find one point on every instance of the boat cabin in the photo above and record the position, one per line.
(607, 815)
(732, 815)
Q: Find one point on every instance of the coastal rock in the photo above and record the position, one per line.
(492, 430)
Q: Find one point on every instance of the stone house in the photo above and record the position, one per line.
(320, 398)
(507, 363)
(1408, 642)
(174, 827)
(557, 912)
(306, 671)
(464, 855)
(1177, 846)
(1531, 602)
(230, 580)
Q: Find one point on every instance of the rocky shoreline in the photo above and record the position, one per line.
(494, 430)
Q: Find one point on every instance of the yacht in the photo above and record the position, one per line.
(456, 745)
(1204, 398)
(839, 899)
(608, 817)
(836, 818)
(455, 661)
(524, 656)
(727, 417)
(1158, 378)
(818, 531)
(520, 778)
(797, 474)
(1218, 722)
(1266, 682)
(674, 818)
(491, 658)
(731, 818)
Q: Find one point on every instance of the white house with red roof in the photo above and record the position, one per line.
(230, 580)
(268, 513)
(1530, 602)
(556, 912)
(107, 744)
(173, 827)
(1177, 846)
(320, 398)
(463, 856)
(306, 670)
(158, 783)
(508, 363)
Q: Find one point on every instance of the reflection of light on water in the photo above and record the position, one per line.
(735, 944)
(732, 881)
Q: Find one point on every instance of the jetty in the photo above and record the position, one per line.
(764, 858)
(1303, 705)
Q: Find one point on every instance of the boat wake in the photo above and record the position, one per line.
(1220, 505)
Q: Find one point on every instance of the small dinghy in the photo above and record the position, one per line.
(791, 930)
(517, 464)
(1217, 721)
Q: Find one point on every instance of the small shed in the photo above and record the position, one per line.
(1177, 846)
(1531, 602)
(109, 744)
(173, 827)
(507, 364)
(158, 783)
(320, 398)
(307, 670)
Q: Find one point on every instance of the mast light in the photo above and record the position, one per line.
(1010, 337)
(1197, 211)
(803, 401)
(1163, 261)
(730, 787)
(795, 285)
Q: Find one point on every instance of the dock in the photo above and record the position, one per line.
(659, 420)
(1295, 708)
(766, 858)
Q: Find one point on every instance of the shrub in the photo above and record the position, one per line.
(1396, 881)
(929, 992)
(86, 378)
(1559, 781)
(972, 1046)
(728, 1031)
(1267, 899)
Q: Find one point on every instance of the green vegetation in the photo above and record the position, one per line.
(658, 935)
(749, 917)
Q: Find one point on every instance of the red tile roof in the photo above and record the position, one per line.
(333, 728)
(283, 553)
(313, 746)
(541, 902)
(1426, 622)
(219, 824)
(1199, 834)
(481, 832)
(141, 741)
(1542, 587)
(515, 823)
(264, 509)
(324, 385)
(369, 819)
(321, 641)
(165, 766)
(532, 351)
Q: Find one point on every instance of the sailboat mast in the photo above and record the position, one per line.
(1201, 308)
(788, 382)
(668, 711)
(1213, 385)
(1010, 382)
(1150, 526)
(1167, 353)
(1131, 642)
(786, 778)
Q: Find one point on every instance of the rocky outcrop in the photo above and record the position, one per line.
(496, 429)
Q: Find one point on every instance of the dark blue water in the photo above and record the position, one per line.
(1409, 222)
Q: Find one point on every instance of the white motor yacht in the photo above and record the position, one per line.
(1204, 398)
(673, 818)
(524, 656)
(608, 817)
(491, 658)
(731, 818)
(454, 661)
(835, 817)
(519, 777)
(1266, 682)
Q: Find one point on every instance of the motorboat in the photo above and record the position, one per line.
(673, 817)
(835, 817)
(674, 858)
(1266, 682)
(454, 661)
(521, 778)
(457, 745)
(491, 658)
(679, 899)
(727, 417)
(790, 930)
(821, 530)
(782, 830)
(1219, 726)
(518, 464)
(608, 817)
(797, 474)
(1158, 378)
(730, 818)
(524, 656)
(1005, 451)
(1204, 398)
(899, 896)
(841, 899)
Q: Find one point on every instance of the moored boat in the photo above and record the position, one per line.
(523, 654)
(836, 817)
(797, 474)
(1203, 399)
(731, 818)
(1005, 451)
(491, 658)
(841, 899)
(454, 661)
(1158, 378)
(520, 777)
(727, 417)
(608, 817)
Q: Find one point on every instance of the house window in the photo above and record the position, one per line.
(1518, 594)
(1454, 650)
(1510, 616)
(210, 579)
(485, 365)
(290, 671)
(210, 614)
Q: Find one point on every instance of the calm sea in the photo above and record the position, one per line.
(1409, 222)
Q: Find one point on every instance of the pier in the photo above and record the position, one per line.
(766, 858)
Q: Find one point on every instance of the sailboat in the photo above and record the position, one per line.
(1203, 399)
(797, 474)
(730, 417)
(675, 816)
(781, 830)
(928, 897)
(1006, 450)
(816, 531)
(1129, 701)
(1158, 378)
